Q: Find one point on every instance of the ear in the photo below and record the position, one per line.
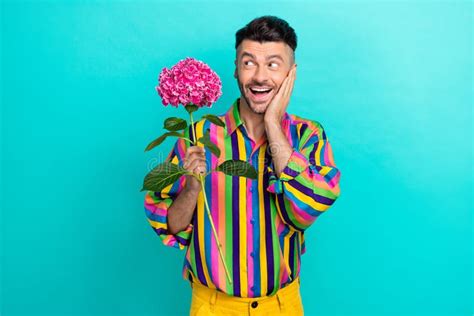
(235, 70)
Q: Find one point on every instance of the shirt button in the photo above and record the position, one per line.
(252, 221)
(254, 304)
(252, 254)
(251, 189)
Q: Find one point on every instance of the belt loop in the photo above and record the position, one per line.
(212, 300)
(281, 302)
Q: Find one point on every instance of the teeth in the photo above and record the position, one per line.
(260, 89)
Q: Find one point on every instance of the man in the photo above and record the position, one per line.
(259, 222)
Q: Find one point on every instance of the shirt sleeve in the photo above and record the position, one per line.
(158, 203)
(309, 183)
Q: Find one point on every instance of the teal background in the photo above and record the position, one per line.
(391, 82)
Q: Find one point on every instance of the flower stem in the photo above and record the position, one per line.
(214, 230)
(192, 128)
(188, 140)
(201, 179)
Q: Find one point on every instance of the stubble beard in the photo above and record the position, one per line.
(250, 105)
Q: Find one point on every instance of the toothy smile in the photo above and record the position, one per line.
(260, 90)
(260, 94)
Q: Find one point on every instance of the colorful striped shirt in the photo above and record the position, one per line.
(260, 222)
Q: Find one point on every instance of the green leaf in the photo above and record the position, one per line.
(214, 119)
(238, 168)
(206, 141)
(162, 176)
(175, 124)
(160, 139)
(191, 108)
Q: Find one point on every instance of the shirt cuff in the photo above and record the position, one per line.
(297, 163)
(158, 215)
(179, 240)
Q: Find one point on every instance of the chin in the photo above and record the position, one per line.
(258, 108)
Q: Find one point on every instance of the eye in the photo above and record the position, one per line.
(274, 64)
(246, 63)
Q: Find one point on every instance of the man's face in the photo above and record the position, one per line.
(260, 71)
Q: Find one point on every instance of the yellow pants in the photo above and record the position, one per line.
(286, 301)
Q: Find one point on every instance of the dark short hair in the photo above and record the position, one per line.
(267, 28)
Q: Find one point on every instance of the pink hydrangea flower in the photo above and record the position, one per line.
(189, 81)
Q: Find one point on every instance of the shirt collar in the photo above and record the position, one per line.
(232, 117)
(233, 120)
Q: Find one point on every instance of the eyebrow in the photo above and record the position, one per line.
(268, 57)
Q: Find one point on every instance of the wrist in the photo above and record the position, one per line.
(191, 190)
(270, 120)
(272, 125)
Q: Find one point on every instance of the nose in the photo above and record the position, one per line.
(260, 75)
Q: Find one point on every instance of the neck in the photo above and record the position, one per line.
(252, 121)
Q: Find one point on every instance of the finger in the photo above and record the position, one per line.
(291, 83)
(196, 156)
(286, 83)
(291, 88)
(287, 87)
(292, 77)
(189, 163)
(199, 170)
(282, 88)
(202, 166)
(195, 149)
(195, 163)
